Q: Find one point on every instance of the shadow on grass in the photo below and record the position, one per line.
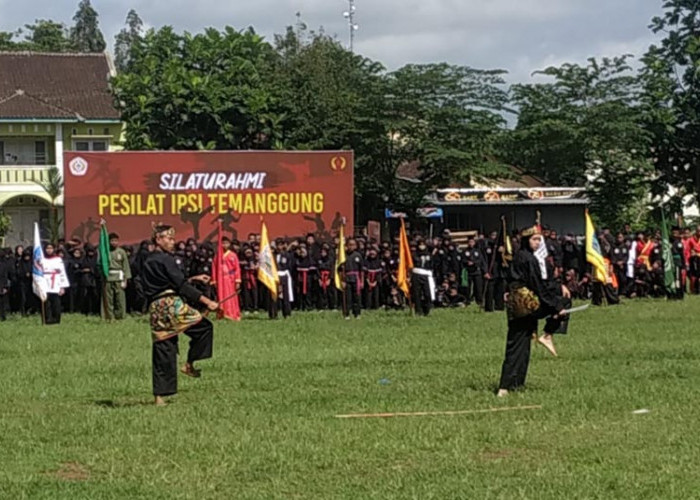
(112, 404)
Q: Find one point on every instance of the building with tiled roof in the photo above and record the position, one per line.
(49, 103)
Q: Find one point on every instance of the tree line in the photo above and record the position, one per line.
(627, 129)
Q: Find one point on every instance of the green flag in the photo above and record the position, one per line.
(103, 251)
(667, 254)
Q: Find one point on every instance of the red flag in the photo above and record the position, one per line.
(217, 268)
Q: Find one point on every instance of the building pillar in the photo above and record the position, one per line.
(58, 128)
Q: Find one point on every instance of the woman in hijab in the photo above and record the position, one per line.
(530, 298)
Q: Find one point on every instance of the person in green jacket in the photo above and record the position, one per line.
(114, 297)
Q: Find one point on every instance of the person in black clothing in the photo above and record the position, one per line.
(619, 256)
(285, 294)
(475, 264)
(167, 290)
(306, 272)
(679, 264)
(529, 299)
(374, 270)
(492, 276)
(7, 265)
(352, 271)
(89, 282)
(249, 274)
(327, 294)
(422, 280)
(27, 299)
(74, 266)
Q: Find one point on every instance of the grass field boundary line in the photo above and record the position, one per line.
(438, 413)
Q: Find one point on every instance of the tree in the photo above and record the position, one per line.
(53, 187)
(450, 118)
(126, 39)
(46, 36)
(207, 91)
(586, 128)
(672, 100)
(5, 224)
(85, 35)
(330, 98)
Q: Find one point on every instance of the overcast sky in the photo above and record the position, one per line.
(520, 36)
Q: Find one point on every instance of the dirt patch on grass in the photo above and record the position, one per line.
(70, 471)
(491, 455)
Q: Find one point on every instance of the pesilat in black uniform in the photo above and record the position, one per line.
(353, 279)
(422, 280)
(166, 290)
(529, 298)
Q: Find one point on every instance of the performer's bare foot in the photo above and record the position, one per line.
(548, 343)
(502, 393)
(160, 401)
(189, 370)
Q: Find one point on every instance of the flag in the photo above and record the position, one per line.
(39, 284)
(504, 241)
(340, 259)
(594, 255)
(667, 255)
(103, 250)
(267, 270)
(217, 268)
(405, 261)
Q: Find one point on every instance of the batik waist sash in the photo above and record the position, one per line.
(170, 316)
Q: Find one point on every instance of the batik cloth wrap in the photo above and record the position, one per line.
(170, 316)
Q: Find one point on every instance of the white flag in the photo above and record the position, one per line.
(39, 284)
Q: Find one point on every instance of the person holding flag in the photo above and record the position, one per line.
(56, 282)
(604, 280)
(340, 259)
(267, 270)
(422, 279)
(167, 289)
(226, 275)
(405, 263)
(113, 262)
(672, 248)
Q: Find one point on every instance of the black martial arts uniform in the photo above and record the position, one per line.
(166, 287)
(525, 275)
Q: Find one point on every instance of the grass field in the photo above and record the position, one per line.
(76, 420)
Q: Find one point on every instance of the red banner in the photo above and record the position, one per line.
(296, 193)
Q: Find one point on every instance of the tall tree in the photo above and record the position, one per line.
(46, 36)
(85, 35)
(586, 128)
(207, 91)
(450, 118)
(126, 39)
(672, 100)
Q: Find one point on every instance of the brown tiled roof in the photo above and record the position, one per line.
(55, 86)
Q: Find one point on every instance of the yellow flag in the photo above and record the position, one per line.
(405, 261)
(267, 272)
(340, 259)
(594, 255)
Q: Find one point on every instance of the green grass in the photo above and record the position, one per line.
(76, 420)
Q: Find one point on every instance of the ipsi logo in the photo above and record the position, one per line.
(78, 167)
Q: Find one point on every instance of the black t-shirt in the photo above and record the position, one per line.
(161, 273)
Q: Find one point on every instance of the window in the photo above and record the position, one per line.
(105, 131)
(90, 145)
(2, 152)
(40, 153)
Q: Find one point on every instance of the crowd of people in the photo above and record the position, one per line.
(444, 274)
